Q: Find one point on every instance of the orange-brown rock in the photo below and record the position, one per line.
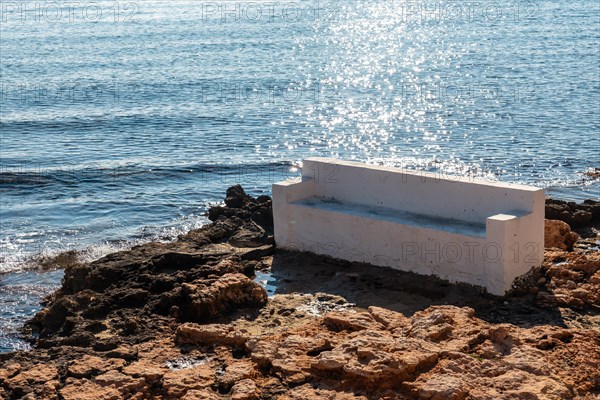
(307, 392)
(185, 320)
(150, 371)
(177, 383)
(191, 333)
(206, 300)
(558, 234)
(572, 279)
(93, 365)
(203, 394)
(27, 379)
(245, 389)
(88, 390)
(235, 372)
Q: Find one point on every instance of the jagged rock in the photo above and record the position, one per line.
(350, 321)
(126, 384)
(372, 358)
(435, 326)
(240, 205)
(87, 390)
(231, 291)
(148, 370)
(245, 390)
(558, 234)
(473, 378)
(249, 235)
(178, 383)
(92, 365)
(573, 280)
(26, 380)
(389, 319)
(292, 359)
(204, 394)
(236, 197)
(441, 387)
(9, 371)
(307, 392)
(210, 334)
(236, 372)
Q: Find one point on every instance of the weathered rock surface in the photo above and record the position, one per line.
(206, 298)
(558, 234)
(570, 280)
(186, 320)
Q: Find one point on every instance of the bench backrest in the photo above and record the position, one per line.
(463, 198)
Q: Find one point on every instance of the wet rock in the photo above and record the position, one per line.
(558, 234)
(65, 259)
(581, 218)
(593, 173)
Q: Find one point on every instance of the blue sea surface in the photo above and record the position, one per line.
(121, 122)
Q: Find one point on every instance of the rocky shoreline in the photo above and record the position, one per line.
(193, 319)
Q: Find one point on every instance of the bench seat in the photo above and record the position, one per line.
(452, 225)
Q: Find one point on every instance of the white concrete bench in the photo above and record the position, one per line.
(458, 228)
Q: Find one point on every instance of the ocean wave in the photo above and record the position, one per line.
(59, 249)
(72, 174)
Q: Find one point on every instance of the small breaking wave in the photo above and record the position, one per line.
(73, 174)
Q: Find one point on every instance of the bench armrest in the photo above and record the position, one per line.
(515, 241)
(293, 189)
(285, 193)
